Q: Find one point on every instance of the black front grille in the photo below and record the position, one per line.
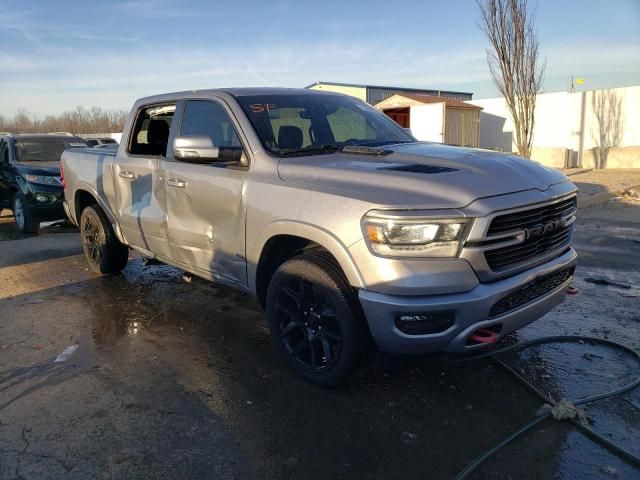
(531, 218)
(501, 259)
(530, 292)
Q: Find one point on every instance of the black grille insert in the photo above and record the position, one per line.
(530, 292)
(501, 259)
(533, 217)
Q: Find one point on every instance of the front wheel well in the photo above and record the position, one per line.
(278, 250)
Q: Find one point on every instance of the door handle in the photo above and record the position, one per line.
(176, 183)
(129, 175)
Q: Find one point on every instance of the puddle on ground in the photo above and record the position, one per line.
(574, 370)
(429, 421)
(432, 404)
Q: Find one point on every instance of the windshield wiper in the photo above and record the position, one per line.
(326, 148)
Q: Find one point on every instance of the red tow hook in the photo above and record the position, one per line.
(484, 336)
(571, 290)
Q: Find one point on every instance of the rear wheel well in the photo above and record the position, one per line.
(83, 199)
(278, 250)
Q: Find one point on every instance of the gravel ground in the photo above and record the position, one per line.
(598, 182)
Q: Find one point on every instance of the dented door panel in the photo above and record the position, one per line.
(140, 203)
(206, 217)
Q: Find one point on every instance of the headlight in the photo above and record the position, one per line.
(44, 180)
(424, 237)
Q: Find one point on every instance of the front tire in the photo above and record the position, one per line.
(25, 221)
(102, 249)
(315, 320)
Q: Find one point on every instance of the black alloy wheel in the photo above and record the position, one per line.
(104, 252)
(307, 324)
(316, 320)
(93, 240)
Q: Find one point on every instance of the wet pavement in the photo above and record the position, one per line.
(176, 380)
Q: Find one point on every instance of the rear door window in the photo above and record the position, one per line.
(151, 131)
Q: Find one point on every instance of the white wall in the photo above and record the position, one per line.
(557, 122)
(493, 134)
(427, 122)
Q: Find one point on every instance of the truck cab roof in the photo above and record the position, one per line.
(235, 92)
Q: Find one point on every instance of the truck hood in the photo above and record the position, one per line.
(39, 168)
(419, 175)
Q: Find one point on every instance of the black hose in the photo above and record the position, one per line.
(628, 456)
(469, 469)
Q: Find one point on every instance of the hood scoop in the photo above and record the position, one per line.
(364, 150)
(420, 168)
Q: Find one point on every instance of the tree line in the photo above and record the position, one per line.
(80, 120)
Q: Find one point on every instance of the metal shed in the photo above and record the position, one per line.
(374, 94)
(436, 119)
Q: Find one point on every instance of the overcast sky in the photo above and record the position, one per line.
(59, 54)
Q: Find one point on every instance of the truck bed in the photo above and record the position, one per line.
(90, 169)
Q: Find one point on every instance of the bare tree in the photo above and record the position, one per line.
(513, 62)
(607, 108)
(78, 121)
(22, 120)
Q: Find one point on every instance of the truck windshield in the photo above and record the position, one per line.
(305, 124)
(45, 149)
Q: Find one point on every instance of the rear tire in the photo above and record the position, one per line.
(25, 221)
(315, 320)
(104, 252)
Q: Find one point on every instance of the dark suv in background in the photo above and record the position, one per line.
(30, 182)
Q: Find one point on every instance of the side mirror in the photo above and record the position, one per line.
(200, 149)
(195, 148)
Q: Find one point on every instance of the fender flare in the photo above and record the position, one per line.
(311, 232)
(21, 185)
(101, 203)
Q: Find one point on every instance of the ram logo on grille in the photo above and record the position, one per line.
(545, 229)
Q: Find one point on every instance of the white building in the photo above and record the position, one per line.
(435, 119)
(594, 129)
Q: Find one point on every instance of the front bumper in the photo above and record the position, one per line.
(47, 213)
(471, 309)
(49, 210)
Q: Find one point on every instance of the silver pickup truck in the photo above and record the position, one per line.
(351, 234)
